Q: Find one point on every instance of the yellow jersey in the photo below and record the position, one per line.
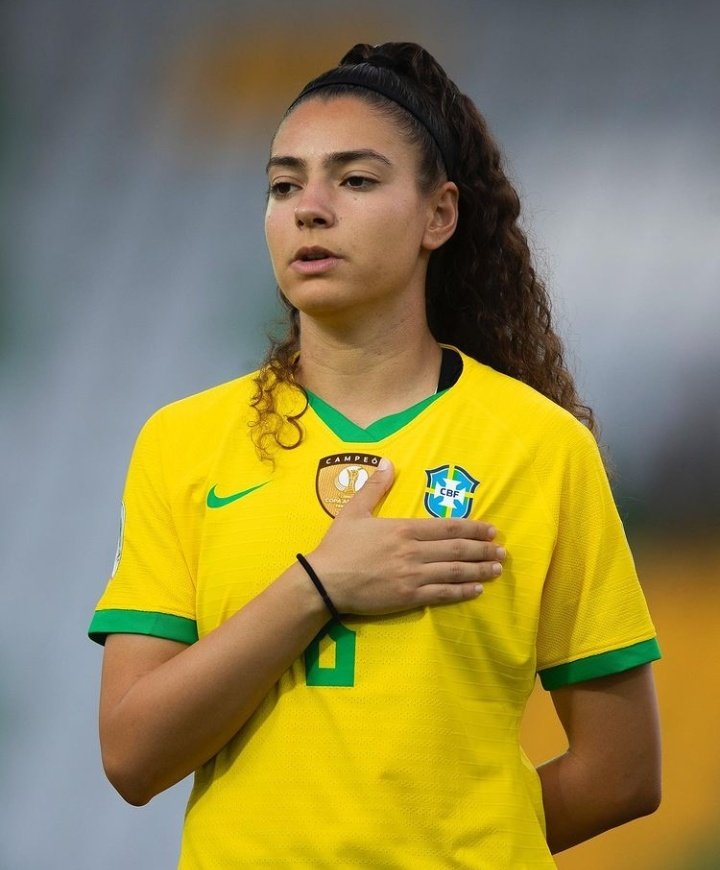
(393, 741)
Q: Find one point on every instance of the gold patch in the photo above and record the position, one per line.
(340, 476)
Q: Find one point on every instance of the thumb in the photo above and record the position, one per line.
(375, 487)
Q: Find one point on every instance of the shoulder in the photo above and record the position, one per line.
(183, 441)
(521, 411)
(210, 403)
(205, 409)
(197, 424)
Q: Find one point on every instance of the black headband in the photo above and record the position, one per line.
(357, 78)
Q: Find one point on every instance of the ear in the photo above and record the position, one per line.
(443, 216)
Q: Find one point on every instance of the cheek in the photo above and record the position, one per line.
(399, 224)
(269, 221)
(273, 240)
(272, 230)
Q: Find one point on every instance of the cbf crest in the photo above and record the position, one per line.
(450, 492)
(340, 476)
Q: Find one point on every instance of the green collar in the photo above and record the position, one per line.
(346, 430)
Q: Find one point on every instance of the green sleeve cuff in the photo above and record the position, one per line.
(165, 625)
(601, 665)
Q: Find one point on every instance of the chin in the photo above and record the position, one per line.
(318, 301)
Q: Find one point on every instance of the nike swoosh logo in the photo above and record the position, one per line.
(218, 501)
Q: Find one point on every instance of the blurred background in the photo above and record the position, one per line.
(133, 272)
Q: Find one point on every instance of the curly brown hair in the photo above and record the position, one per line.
(482, 292)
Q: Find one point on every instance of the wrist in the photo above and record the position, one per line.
(304, 597)
(319, 586)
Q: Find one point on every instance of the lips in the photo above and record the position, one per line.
(314, 260)
(308, 255)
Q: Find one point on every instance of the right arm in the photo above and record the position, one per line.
(166, 708)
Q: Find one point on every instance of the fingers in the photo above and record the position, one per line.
(366, 499)
(458, 573)
(447, 593)
(460, 550)
(436, 530)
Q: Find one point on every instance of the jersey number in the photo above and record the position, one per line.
(330, 658)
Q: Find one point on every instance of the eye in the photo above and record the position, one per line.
(281, 189)
(359, 182)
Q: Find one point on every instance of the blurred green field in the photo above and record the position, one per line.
(682, 584)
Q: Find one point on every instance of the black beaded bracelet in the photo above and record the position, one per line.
(318, 585)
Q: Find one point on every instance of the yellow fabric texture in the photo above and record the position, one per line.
(415, 763)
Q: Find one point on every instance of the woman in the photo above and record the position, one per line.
(296, 611)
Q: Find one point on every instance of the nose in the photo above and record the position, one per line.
(313, 209)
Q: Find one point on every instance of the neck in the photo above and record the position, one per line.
(368, 372)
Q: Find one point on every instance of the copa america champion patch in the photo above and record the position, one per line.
(449, 492)
(340, 476)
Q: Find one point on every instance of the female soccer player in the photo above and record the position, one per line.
(296, 612)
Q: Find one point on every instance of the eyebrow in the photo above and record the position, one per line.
(337, 158)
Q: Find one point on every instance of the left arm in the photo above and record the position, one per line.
(610, 773)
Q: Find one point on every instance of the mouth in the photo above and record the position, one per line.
(308, 255)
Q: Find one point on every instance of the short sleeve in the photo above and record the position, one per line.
(594, 620)
(151, 591)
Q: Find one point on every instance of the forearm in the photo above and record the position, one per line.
(179, 714)
(581, 803)
(611, 771)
